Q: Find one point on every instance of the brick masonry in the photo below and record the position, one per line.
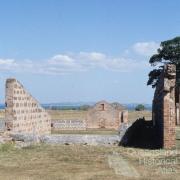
(164, 109)
(104, 115)
(23, 113)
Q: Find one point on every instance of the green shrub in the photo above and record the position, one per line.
(140, 107)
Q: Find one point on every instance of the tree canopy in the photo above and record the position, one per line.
(168, 53)
(140, 107)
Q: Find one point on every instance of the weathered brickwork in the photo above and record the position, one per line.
(104, 115)
(164, 109)
(23, 113)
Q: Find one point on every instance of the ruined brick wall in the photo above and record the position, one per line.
(124, 118)
(164, 110)
(104, 115)
(23, 114)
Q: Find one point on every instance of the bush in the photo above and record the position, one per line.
(140, 107)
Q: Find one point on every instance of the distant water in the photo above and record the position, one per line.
(130, 106)
(2, 106)
(78, 105)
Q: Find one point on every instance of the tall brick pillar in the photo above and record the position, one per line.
(169, 140)
(164, 107)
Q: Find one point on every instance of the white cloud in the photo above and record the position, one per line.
(7, 64)
(94, 56)
(145, 48)
(61, 59)
(125, 64)
(74, 62)
(83, 61)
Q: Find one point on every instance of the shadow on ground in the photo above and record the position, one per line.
(142, 134)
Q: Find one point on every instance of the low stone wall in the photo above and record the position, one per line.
(69, 125)
(122, 130)
(81, 139)
(68, 139)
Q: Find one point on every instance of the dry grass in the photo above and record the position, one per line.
(55, 162)
(67, 114)
(2, 114)
(75, 162)
(78, 114)
(133, 115)
(88, 131)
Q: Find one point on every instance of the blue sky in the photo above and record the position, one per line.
(84, 50)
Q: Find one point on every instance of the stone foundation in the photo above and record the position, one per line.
(68, 139)
(69, 125)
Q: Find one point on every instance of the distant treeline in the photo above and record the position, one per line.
(82, 107)
(86, 107)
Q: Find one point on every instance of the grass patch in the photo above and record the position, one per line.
(134, 115)
(88, 131)
(6, 147)
(79, 114)
(2, 114)
(76, 162)
(67, 114)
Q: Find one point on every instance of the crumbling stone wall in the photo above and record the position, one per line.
(69, 125)
(104, 115)
(164, 110)
(23, 114)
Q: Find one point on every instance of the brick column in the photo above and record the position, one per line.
(164, 108)
(169, 123)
